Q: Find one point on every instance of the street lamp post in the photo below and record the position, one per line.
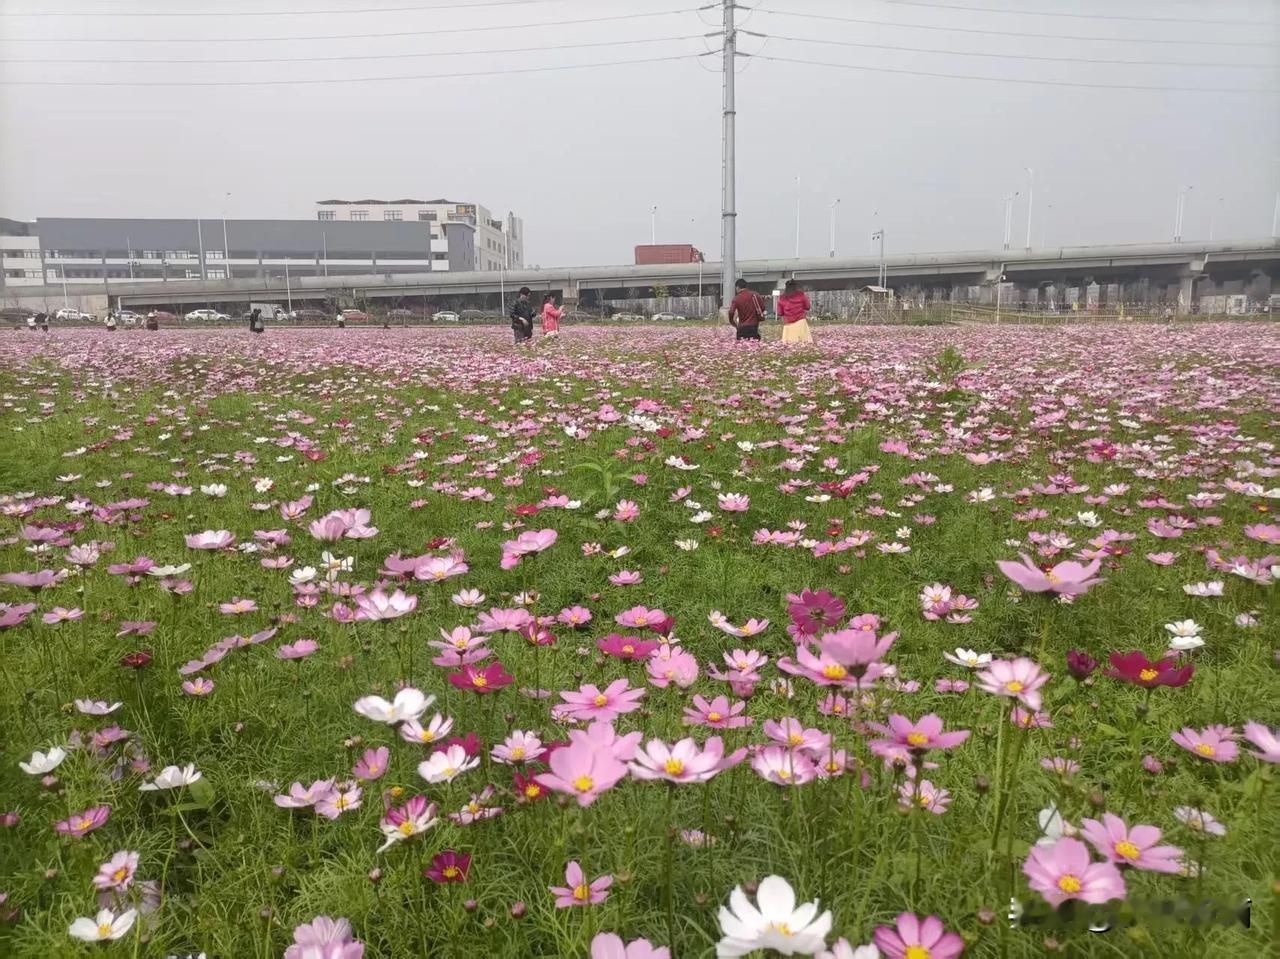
(1031, 196)
(226, 249)
(653, 226)
(1008, 216)
(1179, 212)
(834, 203)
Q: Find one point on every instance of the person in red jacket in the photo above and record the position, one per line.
(551, 317)
(746, 309)
(793, 307)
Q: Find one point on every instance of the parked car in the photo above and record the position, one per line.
(355, 316)
(309, 314)
(446, 316)
(207, 315)
(69, 313)
(130, 318)
(667, 317)
(400, 314)
(626, 317)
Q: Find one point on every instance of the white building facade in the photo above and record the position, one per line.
(494, 244)
(19, 255)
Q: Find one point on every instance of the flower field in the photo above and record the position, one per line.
(640, 644)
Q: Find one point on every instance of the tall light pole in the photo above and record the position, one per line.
(1008, 216)
(884, 273)
(728, 174)
(128, 248)
(797, 218)
(226, 249)
(653, 226)
(200, 240)
(1031, 196)
(834, 203)
(1180, 212)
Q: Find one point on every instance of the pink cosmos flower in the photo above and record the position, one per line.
(504, 620)
(574, 616)
(914, 938)
(626, 647)
(1266, 741)
(859, 650)
(238, 607)
(60, 614)
(380, 605)
(639, 617)
(297, 650)
(1063, 871)
(43, 579)
(328, 529)
(82, 823)
(1019, 679)
(372, 765)
(679, 667)
(449, 866)
(823, 669)
(303, 797)
(783, 766)
(580, 892)
(210, 539)
(590, 702)
(923, 795)
(15, 614)
(625, 577)
(436, 569)
(920, 736)
(117, 872)
(1067, 578)
(733, 502)
(413, 818)
(792, 733)
(342, 799)
(683, 763)
(1215, 743)
(412, 731)
(1268, 533)
(582, 771)
(625, 511)
(608, 945)
(1135, 847)
(324, 938)
(519, 747)
(198, 687)
(719, 713)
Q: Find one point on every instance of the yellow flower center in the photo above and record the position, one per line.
(397, 791)
(784, 774)
(601, 700)
(714, 717)
(674, 767)
(450, 771)
(584, 784)
(1013, 686)
(917, 952)
(582, 893)
(628, 649)
(834, 671)
(795, 739)
(532, 791)
(84, 823)
(517, 753)
(426, 735)
(1069, 884)
(119, 875)
(104, 930)
(406, 828)
(1128, 850)
(781, 927)
(459, 644)
(1053, 578)
(342, 802)
(1204, 749)
(1148, 674)
(450, 872)
(916, 739)
(374, 769)
(479, 681)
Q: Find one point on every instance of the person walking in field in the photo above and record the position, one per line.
(551, 317)
(522, 316)
(746, 310)
(793, 308)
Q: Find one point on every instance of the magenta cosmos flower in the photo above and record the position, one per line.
(117, 872)
(626, 647)
(325, 938)
(210, 539)
(684, 762)
(1267, 742)
(1067, 578)
(1063, 871)
(1135, 847)
(914, 938)
(608, 945)
(813, 611)
(590, 702)
(1018, 679)
(1215, 743)
(488, 680)
(82, 823)
(579, 892)
(920, 736)
(583, 771)
(449, 866)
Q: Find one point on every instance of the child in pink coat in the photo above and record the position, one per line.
(551, 317)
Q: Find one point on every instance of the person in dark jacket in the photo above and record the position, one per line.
(522, 316)
(746, 309)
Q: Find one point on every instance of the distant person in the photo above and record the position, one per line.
(31, 322)
(255, 319)
(746, 310)
(342, 321)
(551, 317)
(153, 321)
(793, 308)
(522, 316)
(42, 320)
(110, 321)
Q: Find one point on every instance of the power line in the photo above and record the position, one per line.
(371, 56)
(998, 56)
(352, 36)
(280, 13)
(1074, 16)
(273, 83)
(1015, 33)
(1045, 83)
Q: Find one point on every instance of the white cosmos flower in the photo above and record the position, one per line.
(773, 922)
(984, 495)
(1088, 518)
(1212, 588)
(1052, 826)
(678, 463)
(1185, 644)
(968, 658)
(216, 490)
(264, 485)
(409, 703)
(688, 545)
(173, 777)
(105, 925)
(445, 765)
(700, 517)
(467, 598)
(843, 950)
(302, 575)
(162, 572)
(96, 707)
(1187, 628)
(42, 763)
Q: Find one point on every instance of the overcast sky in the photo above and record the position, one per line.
(584, 154)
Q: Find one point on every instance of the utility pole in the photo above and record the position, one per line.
(1008, 216)
(728, 174)
(1031, 196)
(834, 203)
(653, 226)
(884, 273)
(1180, 212)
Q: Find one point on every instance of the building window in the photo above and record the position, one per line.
(359, 214)
(392, 215)
(31, 254)
(33, 274)
(216, 274)
(213, 254)
(439, 256)
(427, 215)
(326, 215)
